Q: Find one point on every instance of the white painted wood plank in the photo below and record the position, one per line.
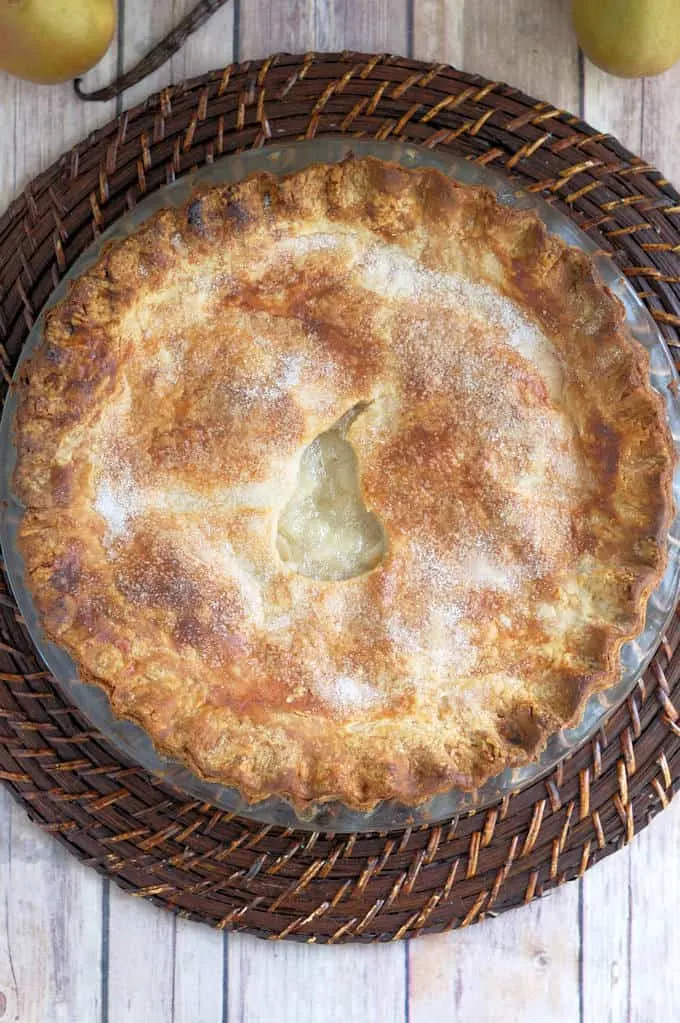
(198, 973)
(8, 126)
(654, 933)
(438, 30)
(266, 27)
(9, 989)
(141, 960)
(364, 25)
(527, 43)
(52, 932)
(605, 934)
(293, 983)
(300, 25)
(660, 134)
(613, 105)
(146, 24)
(521, 966)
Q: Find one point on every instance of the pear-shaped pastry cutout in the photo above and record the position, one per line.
(325, 531)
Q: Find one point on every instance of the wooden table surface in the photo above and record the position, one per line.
(75, 949)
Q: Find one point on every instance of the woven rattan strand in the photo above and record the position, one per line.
(186, 855)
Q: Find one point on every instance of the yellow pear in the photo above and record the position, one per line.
(53, 40)
(630, 38)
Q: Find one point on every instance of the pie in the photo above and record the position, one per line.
(343, 485)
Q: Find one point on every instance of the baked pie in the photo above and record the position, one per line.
(344, 485)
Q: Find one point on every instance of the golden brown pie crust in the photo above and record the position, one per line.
(512, 449)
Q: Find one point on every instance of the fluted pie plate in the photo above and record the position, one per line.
(340, 494)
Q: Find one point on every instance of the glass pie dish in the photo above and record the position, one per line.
(130, 740)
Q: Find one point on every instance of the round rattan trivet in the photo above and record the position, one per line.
(229, 871)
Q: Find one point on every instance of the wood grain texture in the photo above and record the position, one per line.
(300, 25)
(439, 30)
(616, 109)
(8, 127)
(52, 927)
(529, 43)
(293, 983)
(141, 951)
(373, 25)
(661, 113)
(525, 969)
(9, 989)
(654, 933)
(266, 27)
(198, 989)
(605, 930)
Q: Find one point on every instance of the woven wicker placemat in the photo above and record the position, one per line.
(187, 855)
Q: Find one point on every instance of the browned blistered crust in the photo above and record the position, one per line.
(176, 644)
